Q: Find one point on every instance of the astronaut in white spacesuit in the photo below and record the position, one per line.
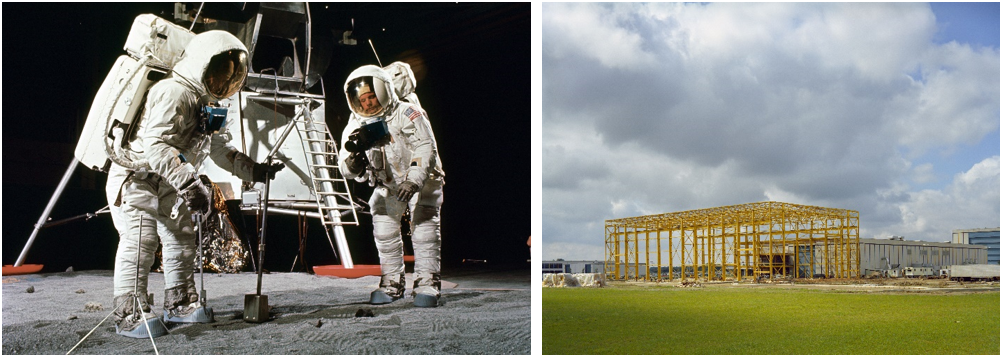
(174, 137)
(401, 161)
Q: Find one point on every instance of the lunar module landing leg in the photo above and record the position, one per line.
(19, 267)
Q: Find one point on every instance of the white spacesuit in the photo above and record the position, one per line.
(402, 162)
(156, 201)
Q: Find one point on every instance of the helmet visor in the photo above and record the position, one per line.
(225, 73)
(362, 96)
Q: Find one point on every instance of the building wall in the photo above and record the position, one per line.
(561, 266)
(989, 237)
(552, 267)
(993, 243)
(874, 254)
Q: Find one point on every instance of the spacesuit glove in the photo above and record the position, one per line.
(260, 170)
(406, 190)
(357, 162)
(197, 196)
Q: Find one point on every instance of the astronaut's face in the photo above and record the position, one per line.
(369, 102)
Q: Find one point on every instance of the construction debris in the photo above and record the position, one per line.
(591, 280)
(689, 284)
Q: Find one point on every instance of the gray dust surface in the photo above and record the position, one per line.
(486, 311)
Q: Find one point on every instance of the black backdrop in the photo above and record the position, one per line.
(472, 62)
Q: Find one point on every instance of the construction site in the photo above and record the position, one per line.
(768, 240)
(803, 276)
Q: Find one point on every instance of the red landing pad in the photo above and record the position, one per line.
(359, 270)
(22, 269)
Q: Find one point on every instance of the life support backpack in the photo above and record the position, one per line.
(403, 81)
(153, 46)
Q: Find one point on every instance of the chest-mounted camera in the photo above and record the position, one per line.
(368, 135)
(213, 118)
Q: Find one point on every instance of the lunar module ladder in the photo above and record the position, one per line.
(332, 194)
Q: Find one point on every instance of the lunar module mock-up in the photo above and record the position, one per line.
(272, 118)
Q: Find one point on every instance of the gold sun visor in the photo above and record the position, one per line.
(225, 73)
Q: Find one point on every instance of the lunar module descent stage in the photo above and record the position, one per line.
(272, 117)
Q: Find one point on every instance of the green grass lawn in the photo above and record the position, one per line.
(736, 320)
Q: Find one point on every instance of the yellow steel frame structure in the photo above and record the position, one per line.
(735, 242)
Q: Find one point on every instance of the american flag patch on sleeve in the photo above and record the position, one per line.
(412, 113)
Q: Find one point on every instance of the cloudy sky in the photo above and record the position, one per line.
(889, 109)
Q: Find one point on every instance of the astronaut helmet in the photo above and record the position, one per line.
(225, 73)
(215, 62)
(369, 91)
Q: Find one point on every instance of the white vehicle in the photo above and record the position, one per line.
(918, 272)
(968, 272)
(895, 273)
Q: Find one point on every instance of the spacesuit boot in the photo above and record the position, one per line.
(392, 288)
(182, 306)
(426, 290)
(131, 324)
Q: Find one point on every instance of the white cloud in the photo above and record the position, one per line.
(584, 30)
(970, 201)
(708, 105)
(923, 173)
(953, 102)
(980, 176)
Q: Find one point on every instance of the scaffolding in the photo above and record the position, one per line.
(745, 241)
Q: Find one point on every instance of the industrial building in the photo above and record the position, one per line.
(895, 252)
(737, 242)
(990, 237)
(564, 266)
